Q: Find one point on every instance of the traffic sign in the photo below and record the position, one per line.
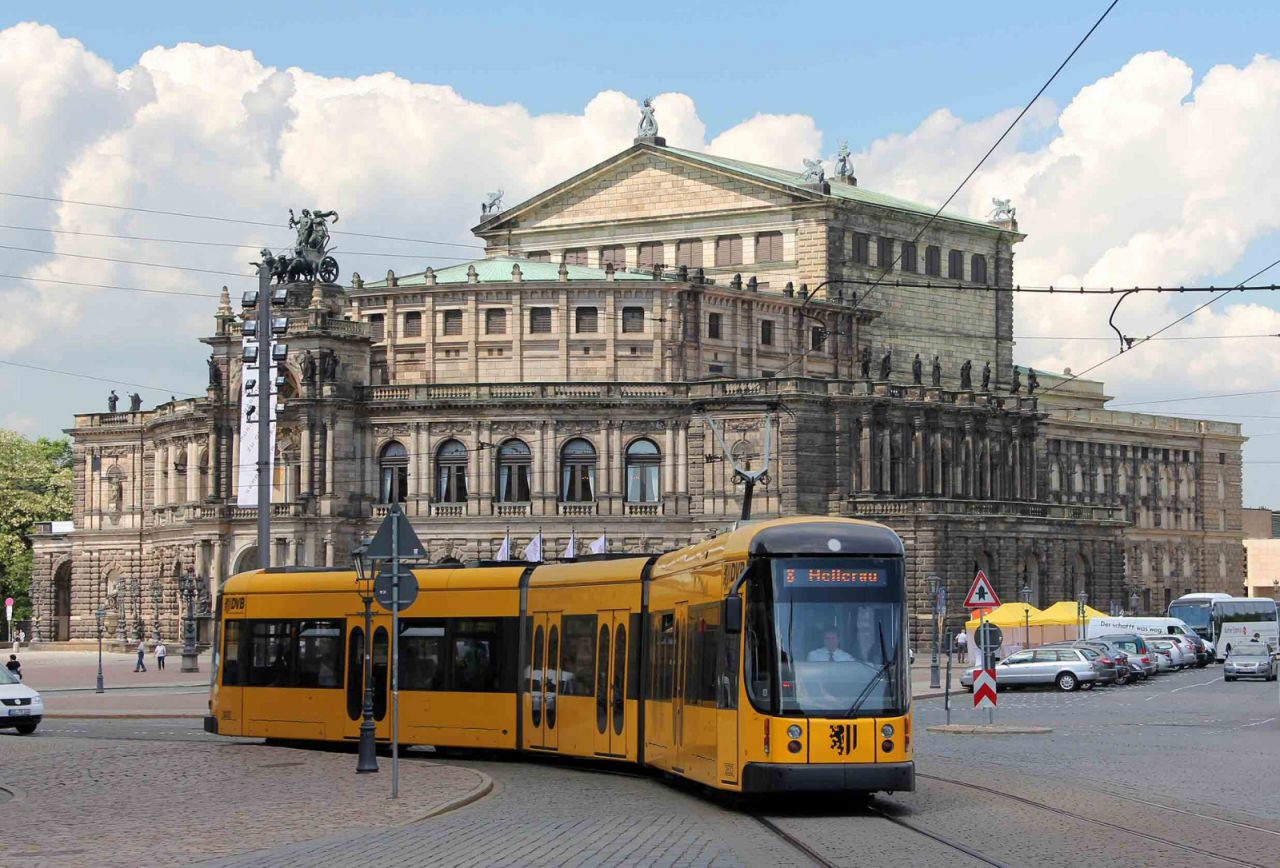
(384, 591)
(984, 688)
(990, 638)
(981, 594)
(410, 546)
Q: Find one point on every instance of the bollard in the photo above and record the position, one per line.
(946, 696)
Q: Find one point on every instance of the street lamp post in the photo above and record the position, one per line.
(188, 585)
(101, 615)
(1082, 600)
(367, 760)
(1024, 594)
(936, 606)
(157, 599)
(1135, 601)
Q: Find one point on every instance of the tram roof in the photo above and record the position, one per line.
(594, 572)
(293, 581)
(799, 535)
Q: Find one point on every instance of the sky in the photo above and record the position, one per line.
(1150, 160)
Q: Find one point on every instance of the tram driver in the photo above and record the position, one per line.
(830, 650)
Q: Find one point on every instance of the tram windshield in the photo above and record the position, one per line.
(826, 637)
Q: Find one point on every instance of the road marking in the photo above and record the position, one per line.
(1189, 686)
(1243, 726)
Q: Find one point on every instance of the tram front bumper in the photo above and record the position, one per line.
(828, 777)
(211, 724)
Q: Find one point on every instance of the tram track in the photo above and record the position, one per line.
(1178, 845)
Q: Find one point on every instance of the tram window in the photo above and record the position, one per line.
(231, 655)
(602, 679)
(619, 673)
(579, 655)
(355, 674)
(662, 661)
(535, 677)
(422, 647)
(319, 654)
(758, 665)
(477, 657)
(731, 650)
(553, 673)
(704, 623)
(271, 652)
(380, 648)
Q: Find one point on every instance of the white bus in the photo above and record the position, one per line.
(1242, 620)
(1196, 611)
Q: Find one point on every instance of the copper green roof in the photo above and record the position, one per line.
(839, 189)
(498, 270)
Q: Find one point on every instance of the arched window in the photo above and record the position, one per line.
(643, 459)
(451, 472)
(513, 472)
(393, 466)
(578, 472)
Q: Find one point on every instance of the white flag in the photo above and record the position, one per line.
(533, 551)
(600, 544)
(504, 550)
(571, 550)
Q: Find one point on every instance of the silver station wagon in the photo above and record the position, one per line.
(1067, 668)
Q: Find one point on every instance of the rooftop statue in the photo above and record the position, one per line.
(844, 162)
(310, 260)
(813, 172)
(917, 370)
(648, 128)
(986, 377)
(1002, 212)
(494, 205)
(886, 364)
(1016, 386)
(1033, 382)
(966, 376)
(937, 371)
(864, 363)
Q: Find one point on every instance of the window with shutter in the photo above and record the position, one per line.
(378, 327)
(933, 261)
(539, 256)
(955, 265)
(766, 332)
(978, 268)
(495, 321)
(769, 247)
(413, 324)
(452, 322)
(540, 320)
(909, 256)
(585, 319)
(650, 254)
(714, 321)
(862, 248)
(615, 253)
(575, 256)
(728, 250)
(632, 319)
(884, 253)
(689, 252)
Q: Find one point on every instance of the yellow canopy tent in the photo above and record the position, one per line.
(1012, 619)
(1060, 622)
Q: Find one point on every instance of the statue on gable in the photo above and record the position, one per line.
(1033, 382)
(813, 172)
(966, 376)
(493, 205)
(886, 364)
(648, 127)
(864, 363)
(215, 374)
(1016, 386)
(917, 370)
(135, 402)
(844, 162)
(308, 368)
(937, 371)
(310, 260)
(113, 401)
(986, 377)
(1003, 212)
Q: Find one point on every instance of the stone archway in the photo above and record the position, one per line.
(62, 602)
(245, 561)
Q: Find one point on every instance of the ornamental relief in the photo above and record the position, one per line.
(643, 426)
(380, 431)
(513, 427)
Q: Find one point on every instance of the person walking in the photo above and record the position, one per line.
(161, 652)
(142, 657)
(962, 645)
(14, 666)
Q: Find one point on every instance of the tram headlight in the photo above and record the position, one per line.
(886, 746)
(887, 730)
(794, 731)
(794, 746)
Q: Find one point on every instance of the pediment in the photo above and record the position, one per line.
(647, 184)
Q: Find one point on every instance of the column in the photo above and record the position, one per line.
(193, 472)
(328, 456)
(864, 477)
(306, 482)
(918, 455)
(938, 482)
(420, 487)
(886, 457)
(215, 464)
(219, 566)
(616, 469)
(233, 479)
(157, 471)
(682, 458)
(170, 459)
(668, 462)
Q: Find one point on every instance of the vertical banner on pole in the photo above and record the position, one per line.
(247, 460)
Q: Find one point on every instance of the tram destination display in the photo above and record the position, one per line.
(820, 574)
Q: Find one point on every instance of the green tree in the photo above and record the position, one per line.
(35, 485)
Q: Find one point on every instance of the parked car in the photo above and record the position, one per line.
(1165, 654)
(1126, 669)
(21, 707)
(1247, 660)
(1110, 668)
(1188, 649)
(1067, 668)
(1204, 650)
(1136, 647)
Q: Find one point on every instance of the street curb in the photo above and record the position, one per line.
(75, 715)
(132, 687)
(987, 729)
(485, 787)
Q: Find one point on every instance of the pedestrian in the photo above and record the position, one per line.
(14, 666)
(22, 637)
(161, 652)
(142, 657)
(962, 645)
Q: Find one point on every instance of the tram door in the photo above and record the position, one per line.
(611, 682)
(678, 684)
(355, 679)
(544, 681)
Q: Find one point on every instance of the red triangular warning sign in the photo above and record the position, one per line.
(981, 594)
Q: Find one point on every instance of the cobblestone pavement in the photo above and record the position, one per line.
(138, 801)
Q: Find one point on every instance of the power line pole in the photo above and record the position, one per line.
(266, 382)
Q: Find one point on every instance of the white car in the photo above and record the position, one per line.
(21, 708)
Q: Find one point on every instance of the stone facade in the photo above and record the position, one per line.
(565, 385)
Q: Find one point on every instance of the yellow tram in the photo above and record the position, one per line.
(770, 658)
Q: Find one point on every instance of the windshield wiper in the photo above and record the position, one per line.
(862, 697)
